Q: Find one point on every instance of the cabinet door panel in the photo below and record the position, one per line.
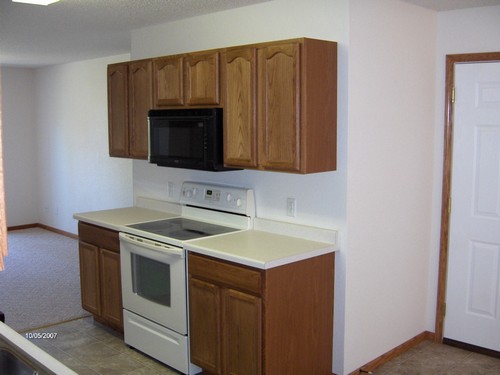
(112, 307)
(202, 78)
(118, 109)
(242, 335)
(168, 81)
(240, 121)
(89, 277)
(279, 107)
(204, 322)
(141, 101)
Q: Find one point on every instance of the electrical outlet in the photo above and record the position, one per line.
(291, 207)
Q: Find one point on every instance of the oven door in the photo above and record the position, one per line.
(154, 281)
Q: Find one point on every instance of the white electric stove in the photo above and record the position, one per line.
(153, 268)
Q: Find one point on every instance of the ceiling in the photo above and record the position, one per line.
(444, 5)
(73, 30)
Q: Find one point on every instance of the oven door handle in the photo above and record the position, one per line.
(152, 245)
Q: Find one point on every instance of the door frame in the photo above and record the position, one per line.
(451, 60)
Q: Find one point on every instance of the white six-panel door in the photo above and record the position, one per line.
(473, 285)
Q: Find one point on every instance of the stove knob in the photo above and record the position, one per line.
(229, 197)
(195, 191)
(238, 202)
(188, 194)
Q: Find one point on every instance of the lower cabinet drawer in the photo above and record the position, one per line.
(225, 273)
(101, 237)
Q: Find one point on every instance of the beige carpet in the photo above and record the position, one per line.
(41, 282)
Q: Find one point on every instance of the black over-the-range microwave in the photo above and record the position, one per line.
(186, 138)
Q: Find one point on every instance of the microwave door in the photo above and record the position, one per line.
(178, 142)
(187, 138)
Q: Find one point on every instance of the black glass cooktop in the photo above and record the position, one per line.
(181, 228)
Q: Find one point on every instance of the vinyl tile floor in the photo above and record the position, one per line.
(92, 349)
(429, 358)
(89, 348)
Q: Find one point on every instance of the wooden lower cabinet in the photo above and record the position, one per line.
(247, 321)
(242, 328)
(205, 325)
(111, 288)
(100, 277)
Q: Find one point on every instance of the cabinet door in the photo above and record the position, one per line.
(168, 81)
(242, 333)
(240, 112)
(89, 277)
(111, 290)
(141, 101)
(204, 324)
(202, 78)
(118, 109)
(279, 107)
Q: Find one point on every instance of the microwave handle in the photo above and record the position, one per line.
(152, 245)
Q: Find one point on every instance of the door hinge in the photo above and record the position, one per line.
(453, 95)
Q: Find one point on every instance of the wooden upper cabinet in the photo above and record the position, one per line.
(141, 101)
(279, 107)
(318, 106)
(279, 101)
(187, 80)
(130, 97)
(168, 81)
(118, 109)
(239, 68)
(202, 78)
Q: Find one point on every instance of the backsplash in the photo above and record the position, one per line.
(317, 195)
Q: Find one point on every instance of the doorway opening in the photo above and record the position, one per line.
(451, 61)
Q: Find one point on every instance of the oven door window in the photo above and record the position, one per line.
(151, 279)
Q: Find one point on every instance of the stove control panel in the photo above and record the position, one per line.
(219, 197)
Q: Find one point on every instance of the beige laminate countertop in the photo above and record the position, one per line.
(270, 244)
(117, 218)
(258, 249)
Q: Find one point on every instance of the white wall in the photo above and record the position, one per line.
(320, 197)
(390, 170)
(56, 144)
(75, 171)
(262, 22)
(19, 145)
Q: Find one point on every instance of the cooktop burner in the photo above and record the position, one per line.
(181, 228)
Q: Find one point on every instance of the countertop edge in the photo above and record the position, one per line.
(260, 264)
(30, 349)
(104, 224)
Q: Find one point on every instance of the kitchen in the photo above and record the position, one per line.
(388, 231)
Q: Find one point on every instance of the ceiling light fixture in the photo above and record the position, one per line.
(37, 2)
